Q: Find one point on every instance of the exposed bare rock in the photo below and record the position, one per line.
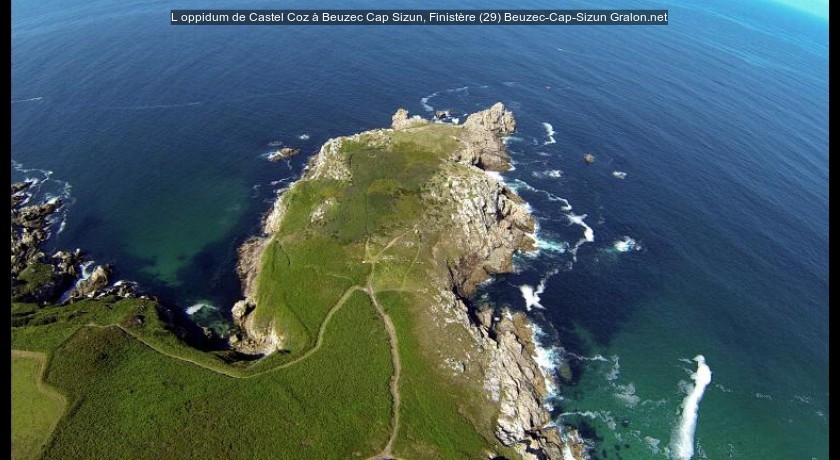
(493, 223)
(328, 163)
(247, 266)
(401, 120)
(257, 340)
(496, 119)
(97, 280)
(483, 132)
(282, 154)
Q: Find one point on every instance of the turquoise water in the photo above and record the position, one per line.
(158, 135)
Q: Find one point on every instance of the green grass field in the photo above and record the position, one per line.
(36, 407)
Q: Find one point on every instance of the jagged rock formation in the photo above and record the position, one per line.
(91, 285)
(401, 120)
(483, 132)
(282, 154)
(38, 278)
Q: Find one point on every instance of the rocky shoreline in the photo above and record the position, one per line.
(63, 277)
(490, 223)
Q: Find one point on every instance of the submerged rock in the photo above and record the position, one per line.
(282, 154)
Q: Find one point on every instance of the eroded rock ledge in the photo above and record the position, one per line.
(65, 276)
(489, 223)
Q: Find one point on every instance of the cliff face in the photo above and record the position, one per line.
(483, 224)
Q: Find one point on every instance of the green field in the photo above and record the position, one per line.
(36, 407)
(343, 283)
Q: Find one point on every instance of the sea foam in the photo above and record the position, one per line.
(682, 440)
(549, 131)
(546, 358)
(626, 244)
(198, 306)
(532, 295)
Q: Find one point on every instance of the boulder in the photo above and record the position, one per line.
(282, 154)
(91, 286)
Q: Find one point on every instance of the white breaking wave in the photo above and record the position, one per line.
(549, 131)
(304, 137)
(425, 100)
(619, 174)
(31, 99)
(546, 359)
(682, 442)
(588, 233)
(552, 173)
(518, 184)
(198, 306)
(86, 271)
(37, 189)
(551, 245)
(615, 371)
(587, 358)
(531, 295)
(626, 244)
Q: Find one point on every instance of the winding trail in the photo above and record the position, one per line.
(241, 375)
(395, 378)
(385, 454)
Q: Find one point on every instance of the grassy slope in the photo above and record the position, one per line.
(128, 398)
(35, 408)
(129, 401)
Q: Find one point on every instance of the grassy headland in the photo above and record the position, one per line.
(373, 358)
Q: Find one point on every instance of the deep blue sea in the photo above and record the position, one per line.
(700, 229)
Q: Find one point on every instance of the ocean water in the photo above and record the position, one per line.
(701, 229)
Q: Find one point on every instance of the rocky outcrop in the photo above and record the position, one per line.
(42, 279)
(92, 285)
(282, 154)
(516, 382)
(494, 223)
(401, 120)
(483, 132)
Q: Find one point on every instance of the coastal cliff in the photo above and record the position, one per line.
(461, 223)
